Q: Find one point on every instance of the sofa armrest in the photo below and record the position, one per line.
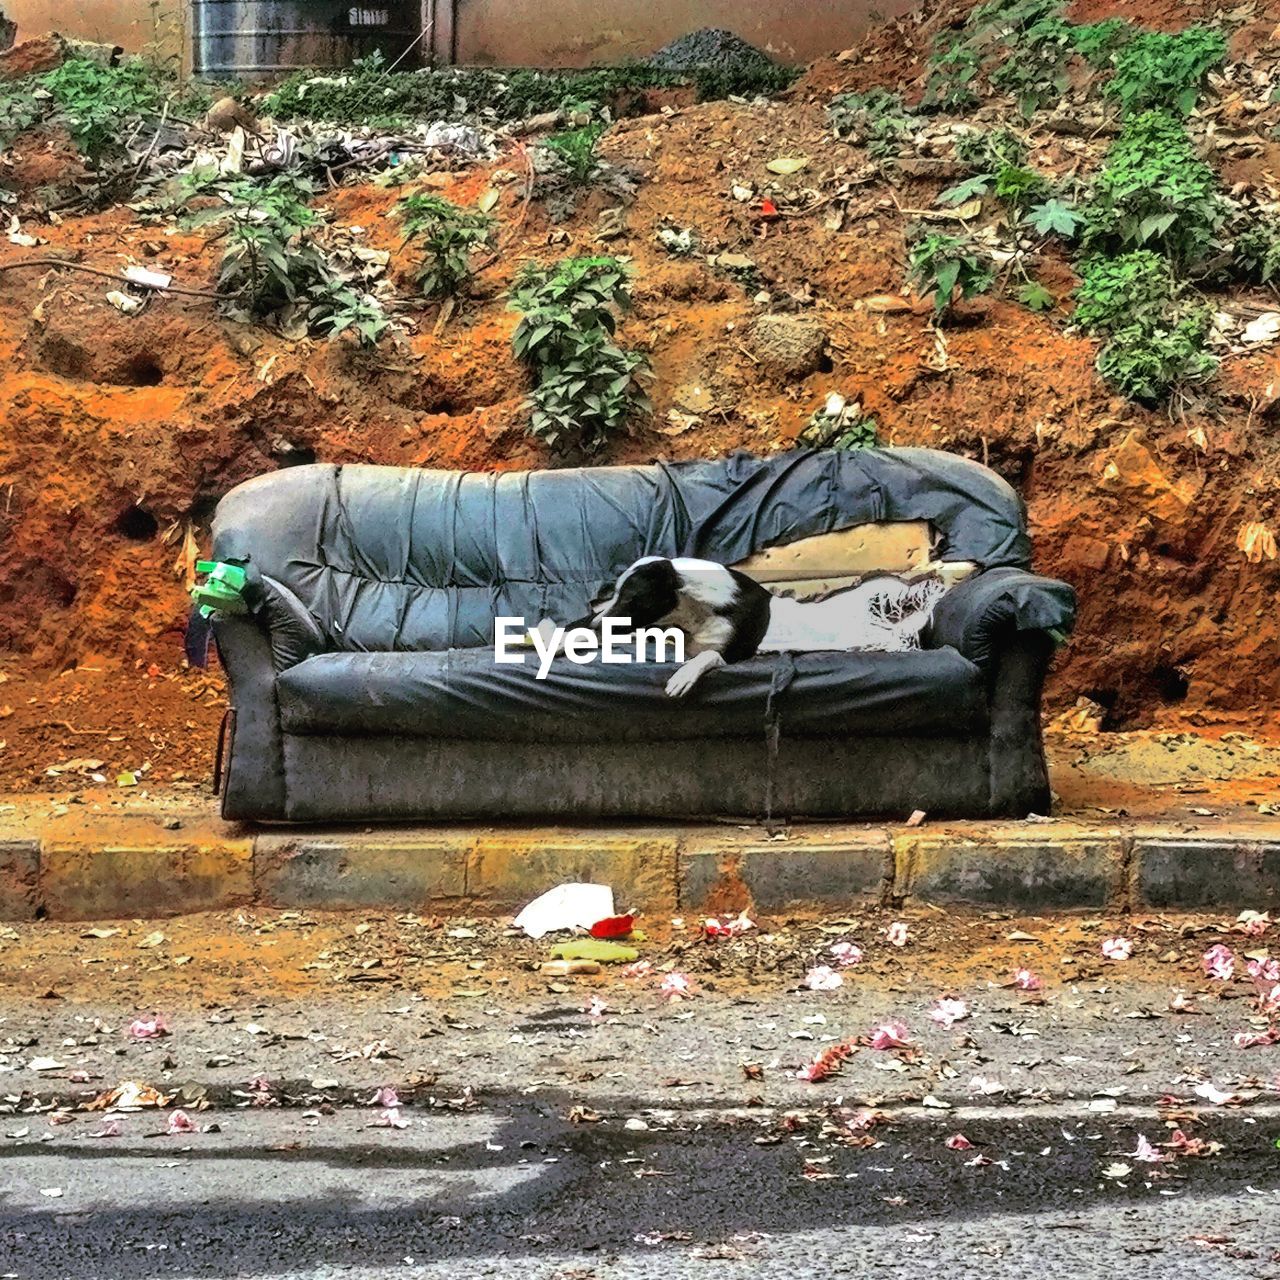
(253, 784)
(980, 615)
(293, 633)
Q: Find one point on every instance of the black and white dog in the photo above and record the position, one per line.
(728, 617)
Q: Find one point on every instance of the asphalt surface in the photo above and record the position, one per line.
(565, 1130)
(514, 1188)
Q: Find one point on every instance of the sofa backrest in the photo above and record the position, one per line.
(388, 558)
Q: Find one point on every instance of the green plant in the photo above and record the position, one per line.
(1053, 217)
(1019, 187)
(1116, 293)
(1257, 250)
(268, 259)
(576, 149)
(1147, 362)
(840, 424)
(953, 67)
(1157, 70)
(1097, 42)
(447, 236)
(988, 150)
(1033, 295)
(938, 264)
(337, 309)
(587, 388)
(876, 118)
(95, 102)
(1154, 192)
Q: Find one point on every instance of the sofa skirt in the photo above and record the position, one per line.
(331, 778)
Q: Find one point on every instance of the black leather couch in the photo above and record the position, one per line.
(363, 684)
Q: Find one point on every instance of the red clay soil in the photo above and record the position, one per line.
(122, 431)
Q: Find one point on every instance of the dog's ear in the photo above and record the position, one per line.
(647, 593)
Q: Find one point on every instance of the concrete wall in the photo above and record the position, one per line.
(581, 32)
(134, 24)
(510, 32)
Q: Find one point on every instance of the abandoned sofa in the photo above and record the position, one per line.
(364, 685)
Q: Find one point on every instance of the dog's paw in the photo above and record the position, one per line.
(682, 682)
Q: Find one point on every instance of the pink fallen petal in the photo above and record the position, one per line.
(846, 953)
(948, 1011)
(827, 1062)
(1145, 1152)
(822, 978)
(1255, 1039)
(1219, 963)
(389, 1119)
(675, 986)
(640, 969)
(1264, 971)
(890, 1035)
(180, 1122)
(897, 933)
(148, 1028)
(595, 1008)
(958, 1142)
(1025, 980)
(1117, 948)
(386, 1097)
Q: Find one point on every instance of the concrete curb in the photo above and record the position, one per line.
(86, 864)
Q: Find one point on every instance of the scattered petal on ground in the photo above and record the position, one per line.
(897, 933)
(1145, 1152)
(958, 1142)
(1219, 963)
(890, 1035)
(675, 986)
(846, 953)
(1117, 948)
(948, 1011)
(148, 1028)
(822, 978)
(1025, 980)
(180, 1122)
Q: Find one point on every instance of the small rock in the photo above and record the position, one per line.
(794, 346)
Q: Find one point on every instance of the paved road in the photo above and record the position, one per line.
(514, 1189)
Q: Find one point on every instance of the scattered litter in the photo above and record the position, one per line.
(598, 949)
(613, 927)
(123, 302)
(567, 906)
(147, 279)
(731, 927)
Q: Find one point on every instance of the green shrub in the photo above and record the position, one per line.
(953, 67)
(587, 388)
(876, 118)
(1257, 250)
(1160, 71)
(1154, 192)
(576, 149)
(1146, 362)
(1097, 42)
(989, 150)
(1115, 293)
(446, 235)
(939, 263)
(368, 93)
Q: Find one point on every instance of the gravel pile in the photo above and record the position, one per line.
(710, 47)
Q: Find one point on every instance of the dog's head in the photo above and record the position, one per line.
(646, 593)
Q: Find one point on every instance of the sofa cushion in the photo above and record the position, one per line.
(462, 693)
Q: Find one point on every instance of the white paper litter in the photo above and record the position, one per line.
(567, 906)
(151, 279)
